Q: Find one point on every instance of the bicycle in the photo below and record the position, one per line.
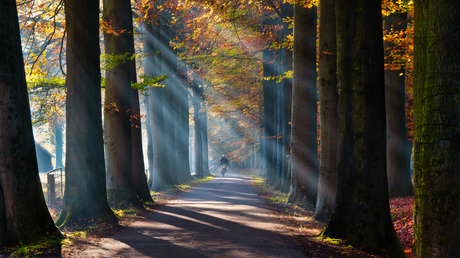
(224, 169)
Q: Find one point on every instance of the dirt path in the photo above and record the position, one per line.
(220, 218)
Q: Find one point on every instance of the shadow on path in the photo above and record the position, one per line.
(220, 218)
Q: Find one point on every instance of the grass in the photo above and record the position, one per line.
(162, 196)
(130, 211)
(34, 248)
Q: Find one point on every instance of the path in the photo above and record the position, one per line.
(220, 218)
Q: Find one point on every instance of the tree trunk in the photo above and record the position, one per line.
(204, 138)
(288, 11)
(117, 124)
(398, 152)
(85, 186)
(277, 122)
(147, 47)
(149, 141)
(269, 111)
(169, 66)
(139, 177)
(24, 217)
(153, 67)
(362, 212)
(58, 138)
(327, 185)
(198, 140)
(436, 123)
(183, 136)
(304, 150)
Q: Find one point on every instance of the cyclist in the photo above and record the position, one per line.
(224, 164)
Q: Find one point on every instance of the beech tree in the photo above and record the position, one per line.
(268, 113)
(436, 123)
(24, 216)
(327, 185)
(85, 185)
(153, 67)
(139, 176)
(204, 137)
(304, 154)
(197, 102)
(398, 146)
(286, 55)
(183, 135)
(362, 212)
(117, 124)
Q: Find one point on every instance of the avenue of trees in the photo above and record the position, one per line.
(315, 94)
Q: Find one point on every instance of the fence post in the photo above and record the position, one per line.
(51, 190)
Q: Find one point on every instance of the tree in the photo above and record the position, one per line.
(168, 61)
(153, 67)
(20, 188)
(183, 130)
(398, 146)
(286, 54)
(304, 154)
(362, 212)
(85, 186)
(204, 138)
(197, 101)
(436, 120)
(139, 177)
(117, 124)
(327, 184)
(269, 110)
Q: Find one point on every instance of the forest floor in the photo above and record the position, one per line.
(89, 233)
(305, 230)
(295, 217)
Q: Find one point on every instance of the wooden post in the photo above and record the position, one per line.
(51, 190)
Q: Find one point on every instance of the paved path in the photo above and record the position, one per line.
(220, 218)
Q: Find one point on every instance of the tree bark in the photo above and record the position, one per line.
(327, 185)
(183, 135)
(58, 139)
(169, 65)
(85, 186)
(362, 212)
(183, 129)
(304, 150)
(24, 217)
(149, 141)
(139, 177)
(204, 138)
(152, 43)
(117, 124)
(269, 111)
(398, 151)
(288, 11)
(436, 123)
(198, 140)
(148, 48)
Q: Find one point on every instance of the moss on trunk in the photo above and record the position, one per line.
(436, 128)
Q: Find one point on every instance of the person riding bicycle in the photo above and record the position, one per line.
(223, 161)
